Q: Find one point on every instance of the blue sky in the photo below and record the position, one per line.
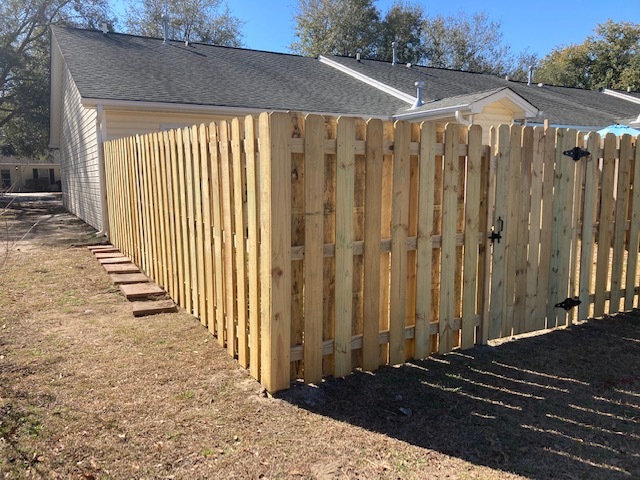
(539, 25)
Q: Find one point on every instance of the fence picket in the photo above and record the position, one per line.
(275, 249)
(424, 247)
(345, 185)
(604, 230)
(448, 256)
(471, 228)
(588, 220)
(313, 253)
(634, 231)
(620, 217)
(252, 251)
(399, 226)
(218, 255)
(240, 229)
(207, 308)
(521, 252)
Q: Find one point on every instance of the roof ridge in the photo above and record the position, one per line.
(144, 37)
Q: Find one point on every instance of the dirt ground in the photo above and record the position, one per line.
(87, 391)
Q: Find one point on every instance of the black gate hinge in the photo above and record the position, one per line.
(569, 303)
(576, 153)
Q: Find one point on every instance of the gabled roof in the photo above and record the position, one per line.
(138, 69)
(561, 105)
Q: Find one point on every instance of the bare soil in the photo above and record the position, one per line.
(87, 391)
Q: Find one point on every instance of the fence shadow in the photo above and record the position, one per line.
(561, 405)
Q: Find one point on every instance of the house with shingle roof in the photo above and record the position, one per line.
(107, 85)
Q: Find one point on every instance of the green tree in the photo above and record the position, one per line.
(402, 24)
(463, 42)
(205, 21)
(336, 27)
(610, 58)
(24, 65)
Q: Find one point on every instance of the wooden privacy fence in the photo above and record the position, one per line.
(313, 246)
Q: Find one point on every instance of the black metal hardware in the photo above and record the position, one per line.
(569, 303)
(496, 231)
(576, 153)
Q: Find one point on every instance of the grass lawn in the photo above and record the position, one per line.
(87, 391)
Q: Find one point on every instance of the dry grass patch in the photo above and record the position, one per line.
(88, 391)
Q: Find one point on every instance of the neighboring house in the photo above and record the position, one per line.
(21, 174)
(108, 85)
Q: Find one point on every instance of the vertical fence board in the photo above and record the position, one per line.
(328, 286)
(399, 231)
(184, 242)
(171, 194)
(208, 308)
(588, 220)
(448, 255)
(191, 157)
(345, 177)
(471, 227)
(372, 225)
(218, 255)
(197, 277)
(275, 249)
(253, 243)
(424, 254)
(604, 230)
(313, 252)
(240, 229)
(497, 295)
(161, 191)
(620, 217)
(634, 232)
(531, 319)
(227, 222)
(520, 301)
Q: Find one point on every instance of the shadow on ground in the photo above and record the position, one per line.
(561, 405)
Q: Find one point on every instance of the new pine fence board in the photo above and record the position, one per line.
(314, 245)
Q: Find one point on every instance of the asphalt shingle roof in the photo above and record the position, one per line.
(561, 105)
(125, 67)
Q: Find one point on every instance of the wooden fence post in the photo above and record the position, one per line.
(275, 250)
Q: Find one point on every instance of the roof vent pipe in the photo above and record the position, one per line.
(419, 85)
(530, 75)
(394, 46)
(105, 28)
(165, 28)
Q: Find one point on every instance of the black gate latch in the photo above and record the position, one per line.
(576, 153)
(496, 231)
(569, 303)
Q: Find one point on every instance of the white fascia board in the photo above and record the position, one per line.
(623, 96)
(410, 99)
(434, 114)
(132, 105)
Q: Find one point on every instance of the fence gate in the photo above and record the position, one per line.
(553, 206)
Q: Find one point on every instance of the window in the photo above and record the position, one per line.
(6, 178)
(52, 176)
(35, 173)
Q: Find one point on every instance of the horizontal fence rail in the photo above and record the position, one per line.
(312, 246)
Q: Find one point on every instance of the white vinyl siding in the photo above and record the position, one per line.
(492, 116)
(79, 168)
(122, 123)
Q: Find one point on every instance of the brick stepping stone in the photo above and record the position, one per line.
(98, 251)
(121, 268)
(105, 261)
(102, 254)
(141, 309)
(123, 278)
(140, 290)
(100, 247)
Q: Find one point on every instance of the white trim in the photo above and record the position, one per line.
(621, 95)
(410, 99)
(464, 121)
(529, 109)
(101, 135)
(429, 114)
